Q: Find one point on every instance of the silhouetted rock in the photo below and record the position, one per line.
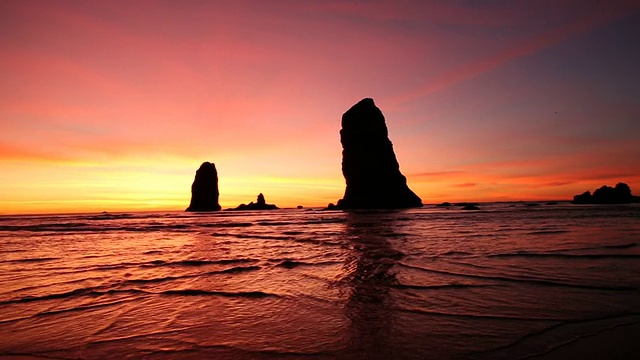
(444, 204)
(584, 198)
(204, 190)
(260, 204)
(369, 165)
(620, 194)
(260, 201)
(470, 207)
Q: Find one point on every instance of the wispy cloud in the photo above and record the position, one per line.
(436, 175)
(591, 18)
(465, 185)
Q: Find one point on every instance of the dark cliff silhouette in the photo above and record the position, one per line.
(369, 165)
(204, 190)
(260, 204)
(620, 194)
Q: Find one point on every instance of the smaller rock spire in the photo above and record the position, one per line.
(204, 190)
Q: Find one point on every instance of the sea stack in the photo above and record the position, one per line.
(369, 165)
(204, 190)
(260, 204)
(620, 194)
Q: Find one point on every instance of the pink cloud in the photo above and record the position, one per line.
(589, 19)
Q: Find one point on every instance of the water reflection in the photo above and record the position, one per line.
(370, 276)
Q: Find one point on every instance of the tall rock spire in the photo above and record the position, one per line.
(369, 165)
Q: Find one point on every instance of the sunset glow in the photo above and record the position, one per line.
(113, 105)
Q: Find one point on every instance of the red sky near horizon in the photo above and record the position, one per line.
(113, 105)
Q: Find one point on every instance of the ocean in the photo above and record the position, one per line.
(512, 281)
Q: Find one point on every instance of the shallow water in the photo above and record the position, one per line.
(510, 281)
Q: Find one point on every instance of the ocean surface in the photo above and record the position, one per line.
(511, 281)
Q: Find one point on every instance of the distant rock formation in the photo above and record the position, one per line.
(204, 190)
(620, 194)
(260, 204)
(471, 207)
(369, 165)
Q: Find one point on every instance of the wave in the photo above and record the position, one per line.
(44, 227)
(473, 316)
(275, 223)
(7, 251)
(547, 232)
(323, 221)
(233, 270)
(136, 216)
(226, 225)
(196, 292)
(601, 247)
(97, 292)
(155, 280)
(540, 282)
(166, 227)
(163, 263)
(236, 269)
(619, 246)
(443, 286)
(66, 310)
(77, 227)
(456, 253)
(565, 255)
(57, 284)
(623, 246)
(262, 237)
(194, 262)
(31, 260)
(64, 295)
(152, 252)
(290, 264)
(212, 351)
(322, 242)
(109, 216)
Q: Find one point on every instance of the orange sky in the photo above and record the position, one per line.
(113, 105)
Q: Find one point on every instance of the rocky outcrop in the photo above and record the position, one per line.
(470, 207)
(204, 190)
(620, 194)
(369, 165)
(260, 204)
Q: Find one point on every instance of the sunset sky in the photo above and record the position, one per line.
(113, 105)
